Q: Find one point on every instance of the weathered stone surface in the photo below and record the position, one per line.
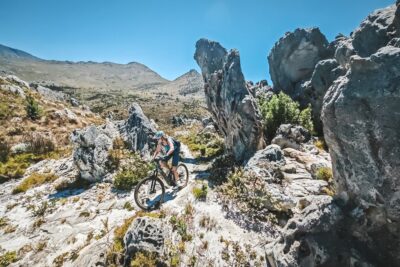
(233, 107)
(138, 130)
(91, 150)
(344, 50)
(373, 31)
(292, 136)
(361, 117)
(294, 56)
(145, 235)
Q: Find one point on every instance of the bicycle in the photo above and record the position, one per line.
(150, 192)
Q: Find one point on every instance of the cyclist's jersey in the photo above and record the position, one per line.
(167, 147)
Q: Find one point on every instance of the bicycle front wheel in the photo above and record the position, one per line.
(149, 193)
(183, 174)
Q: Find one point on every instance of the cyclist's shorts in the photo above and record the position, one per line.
(175, 156)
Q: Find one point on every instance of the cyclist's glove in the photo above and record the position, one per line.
(165, 158)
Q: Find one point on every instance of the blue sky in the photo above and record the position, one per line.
(162, 33)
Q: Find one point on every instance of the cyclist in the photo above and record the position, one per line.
(171, 148)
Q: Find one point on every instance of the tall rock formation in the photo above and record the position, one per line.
(233, 107)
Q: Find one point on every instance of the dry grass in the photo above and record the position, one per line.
(35, 179)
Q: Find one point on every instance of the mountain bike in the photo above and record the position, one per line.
(150, 192)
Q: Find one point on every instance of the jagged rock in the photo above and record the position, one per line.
(292, 136)
(177, 121)
(325, 73)
(66, 114)
(344, 50)
(138, 130)
(300, 243)
(74, 102)
(395, 42)
(144, 235)
(294, 56)
(50, 94)
(233, 108)
(20, 148)
(373, 32)
(91, 150)
(362, 125)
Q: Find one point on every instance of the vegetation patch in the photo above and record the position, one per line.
(8, 258)
(324, 173)
(129, 175)
(33, 110)
(34, 180)
(144, 259)
(203, 145)
(200, 192)
(281, 109)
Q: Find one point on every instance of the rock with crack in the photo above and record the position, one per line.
(361, 114)
(293, 58)
(145, 234)
(292, 136)
(91, 150)
(137, 130)
(233, 107)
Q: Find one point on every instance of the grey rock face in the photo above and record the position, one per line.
(138, 130)
(50, 94)
(373, 31)
(233, 107)
(362, 125)
(91, 150)
(291, 136)
(144, 235)
(294, 56)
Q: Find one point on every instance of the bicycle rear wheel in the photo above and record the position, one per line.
(183, 174)
(149, 193)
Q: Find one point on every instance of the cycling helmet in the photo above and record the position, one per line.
(159, 134)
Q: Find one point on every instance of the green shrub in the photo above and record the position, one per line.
(144, 259)
(130, 175)
(16, 165)
(5, 149)
(200, 193)
(324, 173)
(8, 258)
(204, 144)
(33, 111)
(281, 109)
(33, 180)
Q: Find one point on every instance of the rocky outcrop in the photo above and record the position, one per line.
(294, 56)
(362, 132)
(137, 130)
(292, 136)
(233, 107)
(144, 235)
(91, 150)
(374, 31)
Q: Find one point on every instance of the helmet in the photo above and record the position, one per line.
(159, 134)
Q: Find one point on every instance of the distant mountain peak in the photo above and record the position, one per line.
(12, 53)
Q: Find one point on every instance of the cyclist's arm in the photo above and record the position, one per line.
(158, 149)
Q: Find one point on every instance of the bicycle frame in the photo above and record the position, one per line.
(165, 177)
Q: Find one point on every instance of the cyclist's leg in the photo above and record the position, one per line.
(175, 161)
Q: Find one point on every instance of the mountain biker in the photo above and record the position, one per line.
(171, 148)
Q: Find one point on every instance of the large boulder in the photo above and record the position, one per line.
(145, 234)
(92, 145)
(362, 129)
(374, 31)
(294, 56)
(137, 130)
(233, 108)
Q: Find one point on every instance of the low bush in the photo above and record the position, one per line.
(321, 144)
(200, 192)
(206, 145)
(132, 173)
(33, 111)
(33, 180)
(5, 149)
(39, 143)
(281, 109)
(16, 165)
(324, 173)
(8, 258)
(144, 259)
